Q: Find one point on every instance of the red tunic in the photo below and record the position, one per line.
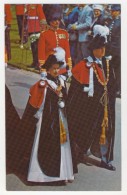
(20, 9)
(35, 17)
(51, 39)
(8, 14)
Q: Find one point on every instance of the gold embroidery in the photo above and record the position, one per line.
(62, 36)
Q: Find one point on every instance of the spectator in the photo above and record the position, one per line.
(114, 45)
(73, 34)
(83, 26)
(98, 17)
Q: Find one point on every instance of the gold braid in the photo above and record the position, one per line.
(99, 80)
(104, 101)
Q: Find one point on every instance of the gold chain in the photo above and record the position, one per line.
(99, 80)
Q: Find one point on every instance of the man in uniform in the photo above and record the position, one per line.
(20, 11)
(114, 46)
(36, 24)
(53, 37)
(91, 104)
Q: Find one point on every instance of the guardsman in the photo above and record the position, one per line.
(52, 38)
(8, 19)
(36, 24)
(20, 14)
(114, 46)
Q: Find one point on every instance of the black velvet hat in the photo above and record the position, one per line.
(51, 60)
(97, 42)
(99, 38)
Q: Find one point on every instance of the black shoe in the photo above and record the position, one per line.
(107, 166)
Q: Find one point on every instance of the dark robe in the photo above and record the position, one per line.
(12, 121)
(85, 115)
(49, 151)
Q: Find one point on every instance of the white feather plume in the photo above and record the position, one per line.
(60, 54)
(103, 31)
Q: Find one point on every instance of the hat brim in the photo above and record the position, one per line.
(97, 43)
(51, 60)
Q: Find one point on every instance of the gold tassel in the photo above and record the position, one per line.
(63, 136)
(105, 122)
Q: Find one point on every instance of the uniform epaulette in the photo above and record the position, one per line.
(43, 31)
(63, 29)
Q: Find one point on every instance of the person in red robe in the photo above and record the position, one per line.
(91, 105)
(44, 143)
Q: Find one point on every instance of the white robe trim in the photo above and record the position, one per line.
(54, 85)
(90, 89)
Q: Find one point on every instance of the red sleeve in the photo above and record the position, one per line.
(41, 49)
(41, 14)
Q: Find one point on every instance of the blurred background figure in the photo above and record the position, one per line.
(114, 45)
(98, 17)
(8, 20)
(36, 24)
(82, 26)
(72, 17)
(98, 14)
(20, 15)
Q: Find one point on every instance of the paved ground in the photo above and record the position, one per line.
(89, 178)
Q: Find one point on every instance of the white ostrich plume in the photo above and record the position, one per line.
(59, 53)
(103, 31)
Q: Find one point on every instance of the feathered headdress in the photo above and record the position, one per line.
(57, 57)
(60, 54)
(103, 31)
(99, 38)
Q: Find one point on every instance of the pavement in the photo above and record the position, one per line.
(89, 178)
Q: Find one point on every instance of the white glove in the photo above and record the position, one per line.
(43, 75)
